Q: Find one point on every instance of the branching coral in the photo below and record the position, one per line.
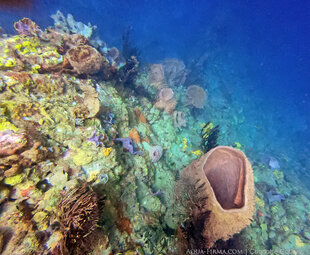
(79, 215)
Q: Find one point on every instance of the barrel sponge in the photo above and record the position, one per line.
(85, 59)
(227, 179)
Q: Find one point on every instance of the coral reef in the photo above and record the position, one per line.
(65, 134)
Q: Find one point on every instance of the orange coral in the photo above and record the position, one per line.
(140, 115)
(166, 100)
(196, 96)
(122, 222)
(134, 135)
(222, 190)
(85, 59)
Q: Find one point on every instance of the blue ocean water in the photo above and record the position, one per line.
(252, 57)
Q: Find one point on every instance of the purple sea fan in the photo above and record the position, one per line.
(155, 153)
(11, 142)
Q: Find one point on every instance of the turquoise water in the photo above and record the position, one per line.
(253, 60)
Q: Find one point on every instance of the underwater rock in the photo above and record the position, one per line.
(152, 204)
(166, 100)
(27, 27)
(221, 187)
(196, 96)
(11, 142)
(85, 59)
(90, 100)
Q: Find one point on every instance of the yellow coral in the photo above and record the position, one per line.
(6, 125)
(197, 153)
(41, 220)
(13, 180)
(278, 174)
(259, 201)
(184, 144)
(299, 243)
(82, 157)
(93, 175)
(107, 151)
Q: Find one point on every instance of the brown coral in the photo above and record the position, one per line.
(196, 96)
(175, 72)
(166, 100)
(223, 185)
(157, 76)
(90, 100)
(27, 27)
(79, 215)
(85, 59)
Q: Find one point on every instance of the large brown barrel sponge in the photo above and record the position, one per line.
(229, 187)
(85, 59)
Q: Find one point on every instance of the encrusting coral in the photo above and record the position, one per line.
(222, 197)
(196, 96)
